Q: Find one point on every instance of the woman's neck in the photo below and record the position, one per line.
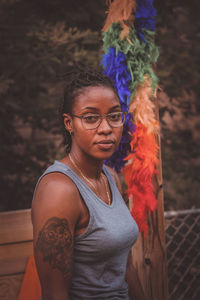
(84, 163)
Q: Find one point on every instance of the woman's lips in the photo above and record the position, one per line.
(105, 145)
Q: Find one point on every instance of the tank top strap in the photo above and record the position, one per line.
(109, 177)
(114, 189)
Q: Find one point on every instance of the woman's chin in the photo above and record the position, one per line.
(104, 155)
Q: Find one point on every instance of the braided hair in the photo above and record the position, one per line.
(77, 79)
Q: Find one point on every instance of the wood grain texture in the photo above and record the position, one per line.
(10, 286)
(13, 257)
(15, 241)
(149, 253)
(15, 226)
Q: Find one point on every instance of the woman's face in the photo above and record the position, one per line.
(101, 142)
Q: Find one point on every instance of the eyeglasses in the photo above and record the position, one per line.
(92, 121)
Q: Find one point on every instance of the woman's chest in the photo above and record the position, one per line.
(109, 229)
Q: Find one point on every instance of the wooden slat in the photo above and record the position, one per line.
(15, 226)
(10, 286)
(13, 257)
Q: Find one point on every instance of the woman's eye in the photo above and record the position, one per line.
(91, 118)
(115, 117)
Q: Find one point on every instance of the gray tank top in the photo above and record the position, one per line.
(100, 253)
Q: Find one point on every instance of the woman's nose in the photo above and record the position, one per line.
(104, 127)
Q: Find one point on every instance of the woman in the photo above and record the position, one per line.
(83, 230)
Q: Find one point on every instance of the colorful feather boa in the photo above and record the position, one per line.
(130, 52)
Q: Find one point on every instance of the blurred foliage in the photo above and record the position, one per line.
(178, 69)
(39, 39)
(178, 35)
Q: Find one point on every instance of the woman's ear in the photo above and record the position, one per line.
(68, 122)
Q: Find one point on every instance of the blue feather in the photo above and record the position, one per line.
(144, 17)
(116, 68)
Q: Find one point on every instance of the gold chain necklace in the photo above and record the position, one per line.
(107, 190)
(90, 183)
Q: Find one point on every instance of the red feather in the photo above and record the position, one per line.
(139, 172)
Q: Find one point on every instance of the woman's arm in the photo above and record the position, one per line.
(134, 285)
(55, 211)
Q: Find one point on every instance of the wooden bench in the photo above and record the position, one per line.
(15, 248)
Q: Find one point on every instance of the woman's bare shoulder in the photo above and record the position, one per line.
(55, 185)
(56, 194)
(57, 178)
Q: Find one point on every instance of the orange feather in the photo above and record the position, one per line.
(138, 174)
(120, 11)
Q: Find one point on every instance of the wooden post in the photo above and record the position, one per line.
(149, 252)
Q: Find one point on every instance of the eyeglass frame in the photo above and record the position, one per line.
(102, 117)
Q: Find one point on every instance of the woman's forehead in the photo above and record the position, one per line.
(96, 96)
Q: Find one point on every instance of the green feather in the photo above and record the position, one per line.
(139, 55)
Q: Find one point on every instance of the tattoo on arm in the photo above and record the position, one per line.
(56, 244)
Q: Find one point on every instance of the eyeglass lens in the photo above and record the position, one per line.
(92, 121)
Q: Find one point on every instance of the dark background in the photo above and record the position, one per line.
(39, 39)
